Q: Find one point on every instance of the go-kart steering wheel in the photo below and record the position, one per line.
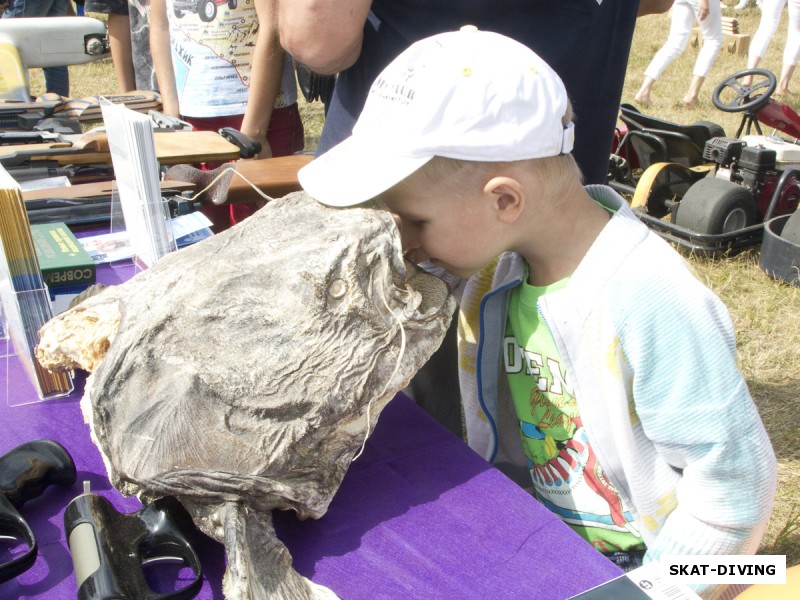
(744, 99)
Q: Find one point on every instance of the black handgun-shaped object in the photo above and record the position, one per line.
(25, 472)
(248, 147)
(109, 549)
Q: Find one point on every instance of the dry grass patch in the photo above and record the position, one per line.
(668, 91)
(765, 312)
(766, 316)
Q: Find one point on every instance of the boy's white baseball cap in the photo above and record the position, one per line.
(469, 94)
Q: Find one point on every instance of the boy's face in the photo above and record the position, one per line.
(454, 231)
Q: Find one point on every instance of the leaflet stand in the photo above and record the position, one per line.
(137, 206)
(3, 329)
(23, 314)
(158, 241)
(24, 306)
(119, 234)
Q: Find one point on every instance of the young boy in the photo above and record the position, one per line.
(590, 357)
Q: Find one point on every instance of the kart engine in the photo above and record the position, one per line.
(757, 163)
(750, 166)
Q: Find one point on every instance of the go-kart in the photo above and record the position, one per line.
(702, 190)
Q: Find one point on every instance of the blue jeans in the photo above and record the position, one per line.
(56, 79)
(627, 561)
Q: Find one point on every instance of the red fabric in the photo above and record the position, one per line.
(286, 136)
(215, 123)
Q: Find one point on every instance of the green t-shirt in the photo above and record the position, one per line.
(566, 476)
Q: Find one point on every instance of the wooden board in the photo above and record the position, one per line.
(172, 147)
(14, 107)
(83, 109)
(738, 44)
(734, 43)
(276, 177)
(93, 190)
(272, 177)
(88, 109)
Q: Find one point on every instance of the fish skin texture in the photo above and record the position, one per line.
(244, 373)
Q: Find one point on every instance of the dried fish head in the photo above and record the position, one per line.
(244, 373)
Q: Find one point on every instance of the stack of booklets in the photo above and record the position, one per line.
(145, 212)
(25, 302)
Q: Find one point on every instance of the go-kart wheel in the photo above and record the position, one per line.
(716, 206)
(206, 10)
(232, 4)
(732, 95)
(178, 12)
(791, 230)
(714, 129)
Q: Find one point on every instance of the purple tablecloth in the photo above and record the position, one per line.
(419, 515)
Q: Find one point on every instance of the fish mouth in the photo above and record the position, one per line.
(407, 291)
(417, 294)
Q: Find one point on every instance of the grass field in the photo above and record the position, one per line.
(766, 313)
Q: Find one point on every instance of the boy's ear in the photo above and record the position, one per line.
(507, 196)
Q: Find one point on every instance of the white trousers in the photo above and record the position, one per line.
(684, 14)
(770, 19)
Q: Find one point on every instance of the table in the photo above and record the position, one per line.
(418, 515)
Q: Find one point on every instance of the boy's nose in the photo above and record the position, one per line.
(411, 246)
(408, 240)
(416, 256)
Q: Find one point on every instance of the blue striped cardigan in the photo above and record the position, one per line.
(652, 356)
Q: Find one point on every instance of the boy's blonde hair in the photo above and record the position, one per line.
(555, 173)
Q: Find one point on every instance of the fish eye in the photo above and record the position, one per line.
(337, 288)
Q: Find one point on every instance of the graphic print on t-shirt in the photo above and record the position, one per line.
(564, 469)
(212, 59)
